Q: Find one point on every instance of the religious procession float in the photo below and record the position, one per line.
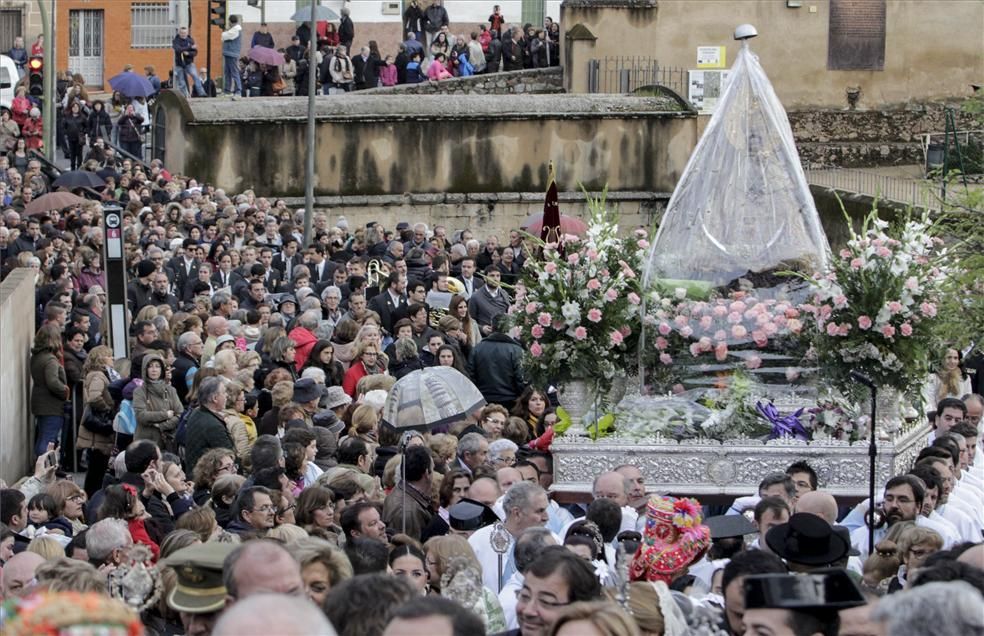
(732, 341)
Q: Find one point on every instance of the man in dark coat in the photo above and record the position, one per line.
(346, 30)
(496, 366)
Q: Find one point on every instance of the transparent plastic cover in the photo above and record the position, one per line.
(742, 206)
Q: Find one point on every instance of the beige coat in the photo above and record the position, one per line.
(95, 392)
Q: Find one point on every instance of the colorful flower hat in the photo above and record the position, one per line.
(674, 538)
(54, 613)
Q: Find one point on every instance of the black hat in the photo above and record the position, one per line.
(306, 390)
(807, 539)
(469, 515)
(825, 589)
(728, 526)
(145, 269)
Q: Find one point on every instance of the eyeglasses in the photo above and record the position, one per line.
(77, 498)
(267, 508)
(524, 597)
(370, 353)
(227, 468)
(281, 513)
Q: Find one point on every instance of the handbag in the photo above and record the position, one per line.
(279, 85)
(97, 421)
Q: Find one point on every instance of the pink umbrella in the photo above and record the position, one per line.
(568, 224)
(263, 55)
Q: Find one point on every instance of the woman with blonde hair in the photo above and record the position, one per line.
(201, 521)
(286, 533)
(364, 423)
(96, 429)
(597, 618)
(47, 547)
(323, 566)
(232, 415)
(454, 572)
(225, 363)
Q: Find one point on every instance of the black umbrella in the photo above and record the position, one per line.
(106, 173)
(79, 179)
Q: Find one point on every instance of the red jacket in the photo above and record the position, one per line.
(305, 341)
(355, 373)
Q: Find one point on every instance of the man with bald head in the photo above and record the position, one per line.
(506, 477)
(485, 490)
(215, 327)
(274, 614)
(258, 567)
(819, 503)
(612, 485)
(18, 574)
(637, 493)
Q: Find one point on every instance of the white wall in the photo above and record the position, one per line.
(476, 11)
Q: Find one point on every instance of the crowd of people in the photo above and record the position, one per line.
(429, 52)
(239, 452)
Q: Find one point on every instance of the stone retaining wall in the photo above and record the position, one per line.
(17, 327)
(532, 81)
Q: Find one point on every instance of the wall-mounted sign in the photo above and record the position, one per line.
(712, 56)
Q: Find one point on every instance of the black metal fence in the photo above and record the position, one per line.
(625, 74)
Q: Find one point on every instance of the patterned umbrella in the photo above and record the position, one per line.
(431, 397)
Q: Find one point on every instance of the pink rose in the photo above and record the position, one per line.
(883, 252)
(721, 352)
(594, 315)
(720, 311)
(844, 329)
(574, 258)
(831, 329)
(911, 283)
(634, 298)
(662, 343)
(781, 321)
(864, 322)
(825, 311)
(895, 306)
(594, 284)
(739, 331)
(694, 349)
(626, 270)
(840, 301)
(888, 331)
(611, 295)
(664, 328)
(738, 306)
(642, 243)
(550, 268)
(686, 332)
(544, 319)
(705, 344)
(665, 359)
(770, 328)
(720, 334)
(681, 321)
(794, 325)
(558, 325)
(734, 317)
(536, 350)
(580, 333)
(845, 253)
(537, 331)
(760, 337)
(928, 309)
(531, 308)
(626, 330)
(906, 329)
(706, 323)
(792, 312)
(857, 263)
(762, 319)
(592, 255)
(753, 362)
(616, 337)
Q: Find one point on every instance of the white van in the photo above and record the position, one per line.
(8, 80)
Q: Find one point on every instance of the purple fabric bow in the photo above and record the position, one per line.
(782, 426)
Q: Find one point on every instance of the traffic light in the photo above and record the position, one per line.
(217, 12)
(35, 67)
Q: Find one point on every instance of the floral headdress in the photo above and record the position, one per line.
(673, 539)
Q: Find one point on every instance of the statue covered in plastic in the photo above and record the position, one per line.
(743, 207)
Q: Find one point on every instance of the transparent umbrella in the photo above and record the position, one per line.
(431, 397)
(320, 13)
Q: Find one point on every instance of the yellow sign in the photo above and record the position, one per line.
(712, 56)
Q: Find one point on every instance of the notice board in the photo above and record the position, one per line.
(856, 40)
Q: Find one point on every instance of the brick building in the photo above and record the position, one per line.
(98, 37)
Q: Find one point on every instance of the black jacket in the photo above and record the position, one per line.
(346, 32)
(496, 367)
(179, 375)
(205, 431)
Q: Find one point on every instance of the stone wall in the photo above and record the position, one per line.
(532, 81)
(17, 327)
(485, 213)
(869, 138)
(464, 144)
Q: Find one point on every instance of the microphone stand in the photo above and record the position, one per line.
(404, 443)
(872, 454)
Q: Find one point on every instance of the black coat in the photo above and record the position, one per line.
(366, 71)
(496, 367)
(346, 32)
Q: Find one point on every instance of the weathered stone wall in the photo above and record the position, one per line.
(868, 138)
(933, 50)
(485, 213)
(17, 329)
(378, 145)
(532, 81)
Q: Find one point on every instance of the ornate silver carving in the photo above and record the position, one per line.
(733, 467)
